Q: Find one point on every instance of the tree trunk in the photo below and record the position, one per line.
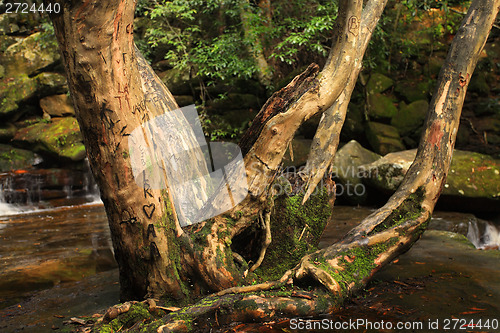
(115, 93)
(256, 48)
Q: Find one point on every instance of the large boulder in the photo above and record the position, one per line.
(472, 176)
(31, 54)
(383, 138)
(345, 169)
(387, 173)
(60, 138)
(13, 159)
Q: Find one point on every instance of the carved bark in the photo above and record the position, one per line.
(115, 92)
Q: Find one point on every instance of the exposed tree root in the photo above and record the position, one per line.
(266, 225)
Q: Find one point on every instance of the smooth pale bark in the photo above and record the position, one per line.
(327, 136)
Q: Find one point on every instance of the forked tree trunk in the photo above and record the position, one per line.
(116, 92)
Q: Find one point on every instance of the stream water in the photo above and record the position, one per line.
(57, 262)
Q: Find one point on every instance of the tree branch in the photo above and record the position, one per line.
(327, 136)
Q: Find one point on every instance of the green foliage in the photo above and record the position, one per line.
(216, 128)
(215, 39)
(409, 28)
(309, 30)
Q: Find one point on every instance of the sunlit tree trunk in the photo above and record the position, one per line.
(116, 92)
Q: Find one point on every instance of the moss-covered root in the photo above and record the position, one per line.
(214, 312)
(128, 317)
(346, 267)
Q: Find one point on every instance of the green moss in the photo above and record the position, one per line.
(60, 137)
(410, 209)
(357, 264)
(296, 230)
(471, 175)
(137, 313)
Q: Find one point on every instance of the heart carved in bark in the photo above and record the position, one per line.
(149, 210)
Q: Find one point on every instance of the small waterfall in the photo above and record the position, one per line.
(5, 208)
(90, 186)
(32, 190)
(484, 235)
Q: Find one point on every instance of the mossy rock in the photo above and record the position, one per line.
(31, 54)
(381, 106)
(471, 174)
(50, 84)
(413, 91)
(60, 138)
(345, 168)
(378, 83)
(14, 159)
(7, 132)
(23, 88)
(410, 117)
(14, 92)
(17, 24)
(383, 138)
(8, 24)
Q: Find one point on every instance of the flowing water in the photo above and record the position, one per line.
(42, 249)
(56, 261)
